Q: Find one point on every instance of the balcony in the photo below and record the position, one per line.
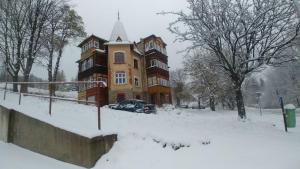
(154, 70)
(156, 53)
(157, 81)
(95, 69)
(159, 89)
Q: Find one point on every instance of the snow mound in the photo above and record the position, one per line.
(289, 106)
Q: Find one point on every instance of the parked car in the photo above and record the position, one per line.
(182, 106)
(195, 105)
(138, 106)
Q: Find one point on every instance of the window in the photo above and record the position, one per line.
(157, 63)
(90, 62)
(83, 66)
(120, 78)
(136, 81)
(90, 44)
(152, 81)
(86, 64)
(164, 51)
(89, 79)
(119, 57)
(136, 64)
(163, 82)
(153, 63)
(91, 99)
(146, 47)
(96, 44)
(151, 46)
(103, 79)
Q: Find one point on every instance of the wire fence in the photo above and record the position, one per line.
(52, 89)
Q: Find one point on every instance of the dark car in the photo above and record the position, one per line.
(138, 106)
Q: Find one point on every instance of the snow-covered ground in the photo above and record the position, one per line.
(14, 157)
(179, 138)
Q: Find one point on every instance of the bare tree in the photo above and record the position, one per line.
(64, 25)
(38, 14)
(178, 82)
(72, 28)
(244, 35)
(34, 29)
(207, 80)
(13, 36)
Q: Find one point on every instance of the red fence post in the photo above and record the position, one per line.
(98, 105)
(50, 98)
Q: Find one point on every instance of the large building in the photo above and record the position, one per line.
(131, 70)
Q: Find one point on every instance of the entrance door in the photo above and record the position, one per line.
(120, 97)
(162, 98)
(153, 98)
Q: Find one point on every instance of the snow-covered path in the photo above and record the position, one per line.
(211, 140)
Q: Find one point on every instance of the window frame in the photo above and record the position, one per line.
(136, 63)
(96, 44)
(123, 57)
(102, 78)
(120, 80)
(138, 81)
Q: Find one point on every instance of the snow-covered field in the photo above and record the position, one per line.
(66, 94)
(177, 139)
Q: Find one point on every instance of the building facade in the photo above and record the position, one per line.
(131, 70)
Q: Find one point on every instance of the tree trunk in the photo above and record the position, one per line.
(24, 87)
(298, 102)
(240, 103)
(177, 101)
(230, 105)
(212, 103)
(199, 102)
(56, 68)
(15, 86)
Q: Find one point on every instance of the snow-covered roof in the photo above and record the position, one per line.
(137, 50)
(100, 50)
(118, 43)
(118, 33)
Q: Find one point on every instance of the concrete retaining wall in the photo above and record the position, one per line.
(4, 123)
(51, 141)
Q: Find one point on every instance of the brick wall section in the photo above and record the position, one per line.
(43, 138)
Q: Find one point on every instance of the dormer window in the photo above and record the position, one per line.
(119, 39)
(96, 44)
(151, 46)
(90, 44)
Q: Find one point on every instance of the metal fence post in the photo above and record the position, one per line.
(4, 95)
(20, 95)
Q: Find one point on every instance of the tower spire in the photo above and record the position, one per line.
(118, 15)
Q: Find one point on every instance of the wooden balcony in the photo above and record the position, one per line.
(95, 69)
(156, 71)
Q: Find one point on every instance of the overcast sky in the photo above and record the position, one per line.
(140, 20)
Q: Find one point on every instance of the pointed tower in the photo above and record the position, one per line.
(118, 33)
(124, 66)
